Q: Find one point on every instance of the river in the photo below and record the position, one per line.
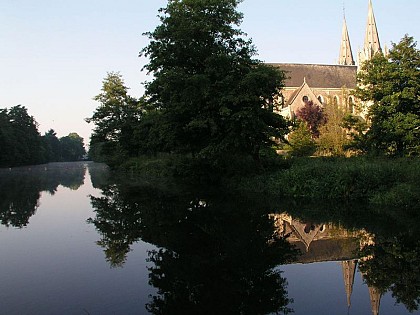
(75, 240)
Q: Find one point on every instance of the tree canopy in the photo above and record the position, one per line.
(22, 144)
(19, 137)
(209, 95)
(115, 120)
(390, 85)
(71, 147)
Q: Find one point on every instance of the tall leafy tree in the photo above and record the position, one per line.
(72, 147)
(333, 138)
(19, 137)
(301, 142)
(391, 86)
(7, 139)
(51, 146)
(209, 94)
(114, 119)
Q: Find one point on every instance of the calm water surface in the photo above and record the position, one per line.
(75, 241)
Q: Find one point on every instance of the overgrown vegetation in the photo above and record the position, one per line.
(379, 181)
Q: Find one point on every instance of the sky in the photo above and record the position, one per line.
(54, 54)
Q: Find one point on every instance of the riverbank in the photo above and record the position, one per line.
(378, 181)
(393, 182)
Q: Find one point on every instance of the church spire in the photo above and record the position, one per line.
(346, 55)
(371, 36)
(372, 44)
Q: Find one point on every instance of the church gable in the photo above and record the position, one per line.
(300, 96)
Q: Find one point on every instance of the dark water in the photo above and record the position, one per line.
(73, 240)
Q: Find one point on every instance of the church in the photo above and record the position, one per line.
(323, 84)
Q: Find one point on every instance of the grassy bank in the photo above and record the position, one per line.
(380, 181)
(393, 182)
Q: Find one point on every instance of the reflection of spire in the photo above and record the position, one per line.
(346, 55)
(375, 299)
(349, 269)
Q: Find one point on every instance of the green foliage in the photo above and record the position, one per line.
(65, 149)
(333, 137)
(21, 143)
(51, 146)
(378, 181)
(71, 148)
(300, 141)
(19, 138)
(209, 96)
(7, 139)
(115, 121)
(356, 128)
(391, 85)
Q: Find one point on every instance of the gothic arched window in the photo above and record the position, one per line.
(321, 99)
(351, 104)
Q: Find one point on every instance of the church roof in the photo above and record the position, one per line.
(318, 76)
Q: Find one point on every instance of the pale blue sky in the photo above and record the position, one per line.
(55, 53)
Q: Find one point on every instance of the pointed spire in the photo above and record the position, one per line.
(346, 55)
(372, 44)
(349, 269)
(375, 299)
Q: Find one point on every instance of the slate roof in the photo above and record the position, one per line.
(319, 76)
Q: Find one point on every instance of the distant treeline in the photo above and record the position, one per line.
(22, 144)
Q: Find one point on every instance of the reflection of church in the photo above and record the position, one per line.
(328, 242)
(323, 84)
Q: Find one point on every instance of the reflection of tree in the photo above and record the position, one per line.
(99, 174)
(20, 188)
(393, 263)
(19, 201)
(216, 254)
(119, 223)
